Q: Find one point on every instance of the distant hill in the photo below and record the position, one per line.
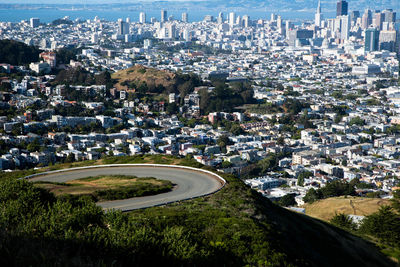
(325, 209)
(132, 78)
(17, 53)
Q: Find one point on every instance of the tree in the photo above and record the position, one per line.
(281, 141)
(223, 141)
(300, 180)
(384, 224)
(34, 145)
(343, 221)
(70, 158)
(287, 200)
(226, 164)
(357, 121)
(311, 196)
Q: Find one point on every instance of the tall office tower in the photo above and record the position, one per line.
(171, 30)
(279, 22)
(246, 21)
(378, 19)
(142, 17)
(366, 19)
(387, 40)
(371, 40)
(184, 17)
(128, 20)
(273, 17)
(34, 22)
(238, 21)
(389, 15)
(186, 35)
(288, 27)
(345, 27)
(208, 18)
(163, 15)
(123, 27)
(341, 8)
(232, 18)
(299, 37)
(318, 15)
(354, 15)
(220, 18)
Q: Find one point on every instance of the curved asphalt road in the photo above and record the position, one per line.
(189, 183)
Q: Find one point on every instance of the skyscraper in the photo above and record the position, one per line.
(345, 27)
(220, 19)
(34, 22)
(318, 15)
(123, 27)
(354, 15)
(246, 20)
(142, 17)
(378, 19)
(232, 18)
(341, 8)
(371, 39)
(163, 15)
(366, 19)
(184, 17)
(389, 15)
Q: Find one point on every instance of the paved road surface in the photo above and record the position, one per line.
(189, 184)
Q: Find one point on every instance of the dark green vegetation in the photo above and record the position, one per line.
(109, 187)
(382, 226)
(234, 227)
(79, 76)
(65, 55)
(61, 22)
(17, 53)
(225, 98)
(332, 189)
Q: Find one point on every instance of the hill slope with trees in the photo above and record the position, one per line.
(234, 227)
(17, 53)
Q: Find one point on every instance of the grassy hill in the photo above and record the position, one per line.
(135, 76)
(325, 209)
(234, 227)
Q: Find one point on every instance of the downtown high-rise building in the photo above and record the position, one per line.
(142, 17)
(389, 15)
(123, 27)
(164, 15)
(378, 19)
(366, 19)
(232, 18)
(371, 42)
(185, 17)
(341, 8)
(220, 18)
(246, 21)
(34, 22)
(318, 15)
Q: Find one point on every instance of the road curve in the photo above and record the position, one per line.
(190, 182)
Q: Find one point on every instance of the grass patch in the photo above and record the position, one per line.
(109, 187)
(325, 209)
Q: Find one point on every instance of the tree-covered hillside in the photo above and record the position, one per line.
(234, 227)
(17, 53)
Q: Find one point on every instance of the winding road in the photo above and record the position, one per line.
(190, 182)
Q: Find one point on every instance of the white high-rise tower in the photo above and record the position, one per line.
(318, 15)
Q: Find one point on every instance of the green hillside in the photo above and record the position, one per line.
(234, 227)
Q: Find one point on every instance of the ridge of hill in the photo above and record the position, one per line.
(132, 78)
(234, 227)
